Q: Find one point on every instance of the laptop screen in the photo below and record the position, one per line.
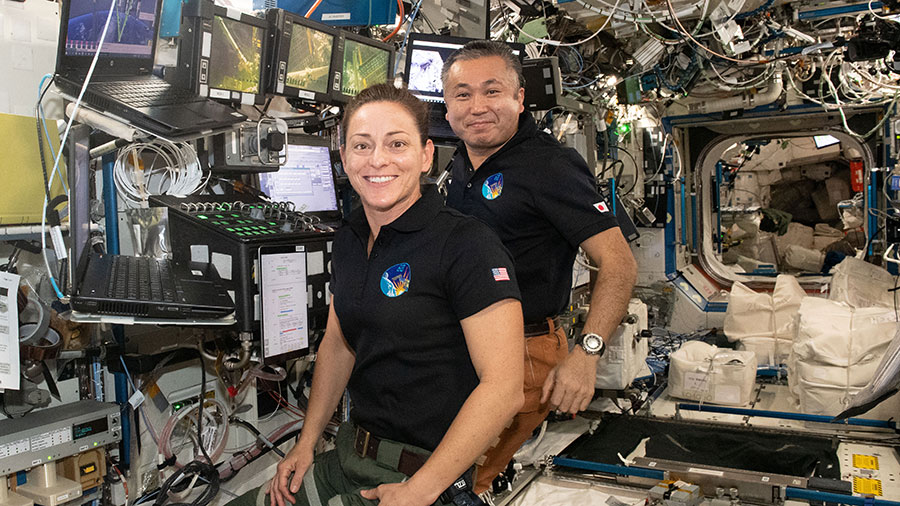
(306, 179)
(131, 32)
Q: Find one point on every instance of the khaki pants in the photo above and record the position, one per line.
(336, 477)
(542, 354)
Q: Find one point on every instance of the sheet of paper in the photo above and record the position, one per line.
(9, 332)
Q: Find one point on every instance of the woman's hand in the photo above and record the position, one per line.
(289, 476)
(396, 494)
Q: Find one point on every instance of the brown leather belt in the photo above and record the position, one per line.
(540, 328)
(366, 445)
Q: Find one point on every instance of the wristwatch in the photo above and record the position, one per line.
(592, 344)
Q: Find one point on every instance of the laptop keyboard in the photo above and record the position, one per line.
(141, 278)
(149, 93)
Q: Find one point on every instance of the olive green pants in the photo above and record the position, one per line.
(336, 477)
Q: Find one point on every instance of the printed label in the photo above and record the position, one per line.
(865, 461)
(869, 486)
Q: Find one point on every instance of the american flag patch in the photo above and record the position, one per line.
(500, 274)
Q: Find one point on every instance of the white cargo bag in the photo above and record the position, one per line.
(861, 284)
(626, 353)
(703, 372)
(764, 323)
(836, 352)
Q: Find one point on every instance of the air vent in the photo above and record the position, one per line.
(123, 308)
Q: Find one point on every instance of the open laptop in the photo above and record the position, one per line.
(122, 85)
(148, 287)
(133, 286)
(306, 179)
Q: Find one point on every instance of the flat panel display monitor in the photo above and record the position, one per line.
(126, 49)
(364, 62)
(225, 58)
(236, 63)
(283, 293)
(823, 141)
(302, 61)
(131, 33)
(425, 57)
(306, 178)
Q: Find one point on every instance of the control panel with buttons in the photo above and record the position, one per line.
(227, 231)
(51, 434)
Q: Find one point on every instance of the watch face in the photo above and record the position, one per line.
(592, 343)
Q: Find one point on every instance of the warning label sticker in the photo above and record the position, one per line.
(869, 486)
(865, 461)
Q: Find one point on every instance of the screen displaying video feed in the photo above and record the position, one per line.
(309, 59)
(426, 60)
(235, 63)
(131, 31)
(364, 66)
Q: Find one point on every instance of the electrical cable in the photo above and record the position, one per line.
(399, 23)
(312, 9)
(200, 404)
(181, 170)
(249, 426)
(122, 479)
(708, 50)
(557, 43)
(412, 20)
(62, 143)
(199, 469)
(40, 106)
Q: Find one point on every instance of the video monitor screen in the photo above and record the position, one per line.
(364, 65)
(309, 59)
(426, 60)
(235, 64)
(305, 179)
(131, 31)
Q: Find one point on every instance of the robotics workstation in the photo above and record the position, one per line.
(171, 185)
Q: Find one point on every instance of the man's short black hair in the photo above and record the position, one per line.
(481, 49)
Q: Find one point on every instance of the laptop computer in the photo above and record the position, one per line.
(306, 179)
(148, 287)
(122, 85)
(132, 286)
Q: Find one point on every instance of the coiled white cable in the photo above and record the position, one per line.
(180, 173)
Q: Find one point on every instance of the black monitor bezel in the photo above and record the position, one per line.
(203, 13)
(106, 65)
(279, 50)
(337, 95)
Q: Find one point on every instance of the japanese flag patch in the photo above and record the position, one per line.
(602, 207)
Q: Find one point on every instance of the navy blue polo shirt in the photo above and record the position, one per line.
(400, 309)
(541, 199)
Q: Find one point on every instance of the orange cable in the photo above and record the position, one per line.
(399, 23)
(313, 8)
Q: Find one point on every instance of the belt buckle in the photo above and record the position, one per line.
(362, 452)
